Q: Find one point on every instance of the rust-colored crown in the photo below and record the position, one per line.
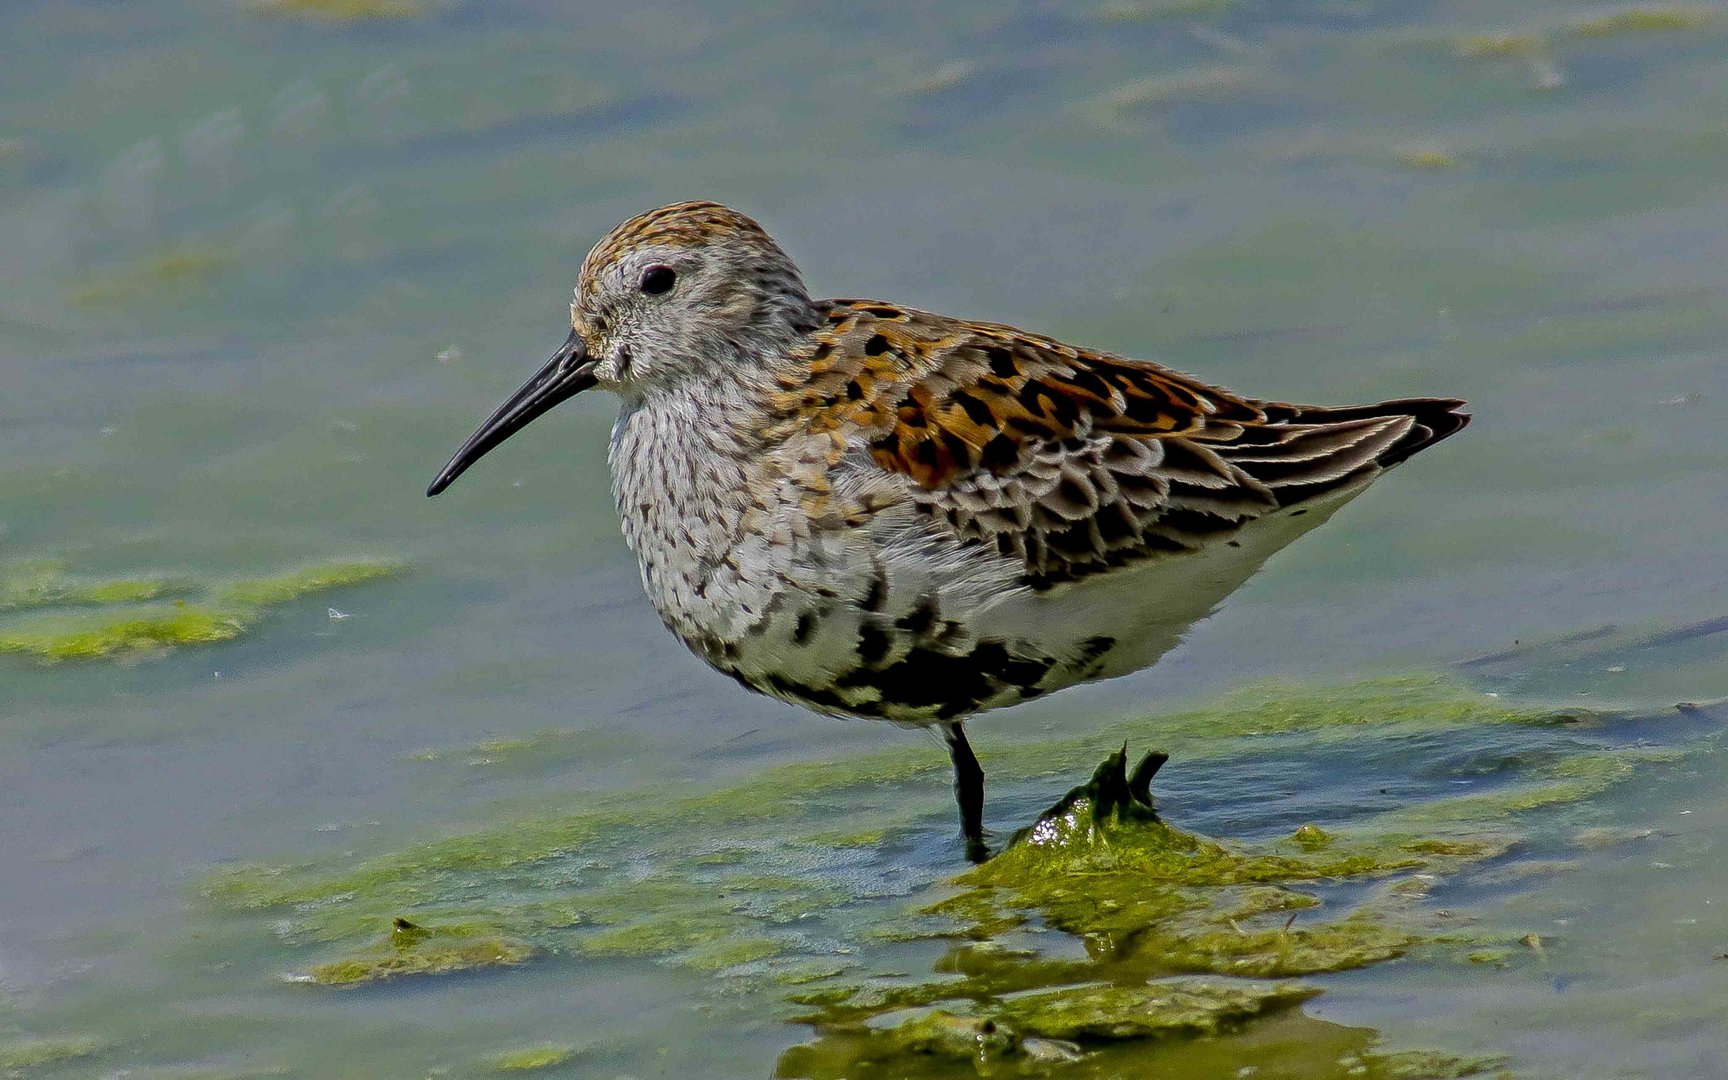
(685, 224)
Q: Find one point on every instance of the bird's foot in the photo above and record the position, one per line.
(977, 849)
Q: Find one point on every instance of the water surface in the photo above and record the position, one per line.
(261, 269)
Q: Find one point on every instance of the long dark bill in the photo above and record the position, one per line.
(567, 374)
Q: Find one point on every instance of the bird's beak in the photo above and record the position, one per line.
(569, 372)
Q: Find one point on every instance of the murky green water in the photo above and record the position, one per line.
(262, 268)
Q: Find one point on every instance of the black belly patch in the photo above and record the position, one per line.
(822, 698)
(947, 684)
(928, 680)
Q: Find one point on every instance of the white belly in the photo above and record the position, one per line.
(925, 639)
(1146, 609)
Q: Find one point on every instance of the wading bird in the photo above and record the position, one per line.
(880, 512)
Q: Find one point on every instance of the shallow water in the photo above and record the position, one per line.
(262, 269)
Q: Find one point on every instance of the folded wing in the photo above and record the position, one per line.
(1077, 462)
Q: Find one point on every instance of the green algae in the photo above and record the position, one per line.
(1149, 900)
(1428, 157)
(343, 11)
(1055, 1026)
(1254, 1030)
(1534, 44)
(283, 588)
(46, 584)
(194, 1072)
(19, 1056)
(1123, 108)
(806, 791)
(548, 747)
(1136, 10)
(945, 1034)
(71, 618)
(1645, 19)
(736, 952)
(59, 638)
(1569, 779)
(1158, 1010)
(753, 880)
(708, 922)
(417, 949)
(176, 272)
(850, 838)
(1419, 1065)
(776, 795)
(1482, 46)
(533, 1058)
(1606, 836)
(1406, 704)
(662, 936)
(1416, 702)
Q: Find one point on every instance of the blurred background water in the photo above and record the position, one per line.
(264, 265)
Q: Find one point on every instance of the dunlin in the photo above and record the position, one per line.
(881, 512)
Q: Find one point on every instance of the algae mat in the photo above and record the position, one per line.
(62, 616)
(1106, 940)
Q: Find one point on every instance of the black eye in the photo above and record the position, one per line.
(658, 279)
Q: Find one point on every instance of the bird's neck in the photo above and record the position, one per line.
(684, 468)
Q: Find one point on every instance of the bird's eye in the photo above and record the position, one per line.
(658, 279)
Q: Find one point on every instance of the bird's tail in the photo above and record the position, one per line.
(1304, 451)
(1433, 419)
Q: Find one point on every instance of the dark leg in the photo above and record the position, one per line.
(969, 790)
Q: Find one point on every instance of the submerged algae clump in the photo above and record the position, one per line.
(1353, 714)
(1152, 904)
(754, 880)
(1414, 702)
(178, 270)
(19, 1055)
(108, 622)
(1101, 865)
(1642, 19)
(533, 1058)
(412, 949)
(940, 1044)
(282, 588)
(1427, 157)
(1058, 1025)
(46, 584)
(92, 637)
(1480, 46)
(1155, 905)
(1182, 1007)
(44, 588)
(1568, 779)
(344, 10)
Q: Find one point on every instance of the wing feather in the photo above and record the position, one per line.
(1074, 461)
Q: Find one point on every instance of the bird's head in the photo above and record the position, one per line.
(687, 292)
